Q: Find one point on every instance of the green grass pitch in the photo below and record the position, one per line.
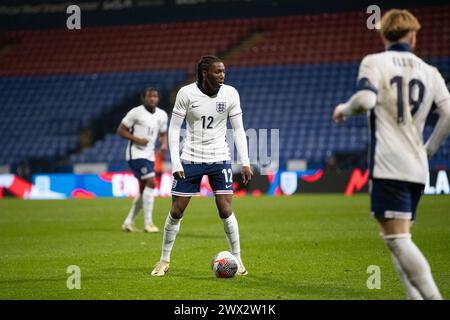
(300, 247)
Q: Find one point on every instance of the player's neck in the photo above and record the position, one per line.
(399, 46)
(150, 109)
(207, 90)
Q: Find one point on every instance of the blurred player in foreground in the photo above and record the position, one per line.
(141, 126)
(206, 105)
(398, 89)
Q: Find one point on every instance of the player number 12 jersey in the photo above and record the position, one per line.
(206, 122)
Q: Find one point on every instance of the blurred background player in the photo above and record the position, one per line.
(142, 126)
(206, 105)
(398, 89)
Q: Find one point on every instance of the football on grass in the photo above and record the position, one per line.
(224, 265)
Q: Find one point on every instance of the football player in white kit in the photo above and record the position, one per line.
(206, 105)
(397, 88)
(142, 126)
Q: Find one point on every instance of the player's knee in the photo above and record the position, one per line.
(151, 183)
(176, 211)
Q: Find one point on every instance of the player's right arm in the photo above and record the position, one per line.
(123, 130)
(176, 121)
(442, 127)
(365, 97)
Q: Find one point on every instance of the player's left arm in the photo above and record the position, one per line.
(442, 127)
(163, 142)
(365, 97)
(163, 135)
(240, 138)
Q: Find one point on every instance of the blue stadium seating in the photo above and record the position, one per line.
(298, 100)
(110, 150)
(41, 115)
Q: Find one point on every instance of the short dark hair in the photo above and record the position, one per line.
(149, 89)
(204, 64)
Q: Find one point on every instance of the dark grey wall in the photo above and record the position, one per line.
(29, 14)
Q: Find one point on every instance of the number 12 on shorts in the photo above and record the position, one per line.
(228, 175)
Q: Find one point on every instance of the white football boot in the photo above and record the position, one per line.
(129, 228)
(151, 228)
(161, 268)
(241, 269)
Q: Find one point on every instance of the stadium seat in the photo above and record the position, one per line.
(289, 78)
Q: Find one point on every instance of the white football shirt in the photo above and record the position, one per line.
(144, 124)
(206, 122)
(406, 88)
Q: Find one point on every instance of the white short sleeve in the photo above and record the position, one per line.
(181, 104)
(368, 76)
(130, 119)
(235, 108)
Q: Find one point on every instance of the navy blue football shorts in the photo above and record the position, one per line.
(220, 178)
(142, 168)
(392, 199)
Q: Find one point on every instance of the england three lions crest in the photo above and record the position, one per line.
(221, 106)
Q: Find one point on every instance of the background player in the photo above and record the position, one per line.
(141, 126)
(399, 88)
(206, 105)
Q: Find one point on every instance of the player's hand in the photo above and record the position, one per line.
(247, 174)
(179, 175)
(140, 141)
(338, 115)
(163, 148)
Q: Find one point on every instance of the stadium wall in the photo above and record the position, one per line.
(27, 14)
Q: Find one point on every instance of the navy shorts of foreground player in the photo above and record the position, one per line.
(142, 168)
(392, 199)
(219, 174)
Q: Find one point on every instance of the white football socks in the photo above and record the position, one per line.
(171, 229)
(172, 226)
(413, 265)
(232, 233)
(411, 291)
(135, 208)
(148, 198)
